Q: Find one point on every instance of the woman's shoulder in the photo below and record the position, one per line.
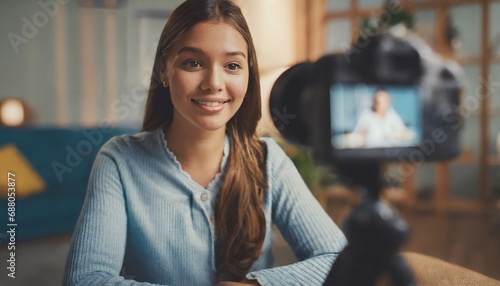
(276, 157)
(272, 145)
(128, 143)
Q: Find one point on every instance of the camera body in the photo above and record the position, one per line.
(386, 99)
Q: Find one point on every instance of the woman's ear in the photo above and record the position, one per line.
(163, 74)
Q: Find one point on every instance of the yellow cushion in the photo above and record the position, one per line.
(27, 181)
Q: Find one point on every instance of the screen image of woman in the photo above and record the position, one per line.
(381, 125)
(191, 199)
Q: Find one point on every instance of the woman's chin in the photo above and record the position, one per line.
(212, 126)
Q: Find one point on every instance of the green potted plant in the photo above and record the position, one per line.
(315, 177)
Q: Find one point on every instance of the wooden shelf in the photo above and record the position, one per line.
(484, 117)
(494, 160)
(466, 158)
(494, 112)
(469, 159)
(467, 205)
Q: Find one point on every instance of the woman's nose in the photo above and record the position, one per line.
(212, 80)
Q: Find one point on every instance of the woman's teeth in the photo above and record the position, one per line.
(208, 103)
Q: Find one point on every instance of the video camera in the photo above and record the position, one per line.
(386, 99)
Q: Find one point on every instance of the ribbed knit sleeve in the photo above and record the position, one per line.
(98, 243)
(313, 236)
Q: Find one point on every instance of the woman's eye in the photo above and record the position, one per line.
(233, 66)
(192, 64)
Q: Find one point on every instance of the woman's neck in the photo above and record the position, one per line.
(381, 114)
(199, 152)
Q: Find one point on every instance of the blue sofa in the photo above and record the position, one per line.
(63, 158)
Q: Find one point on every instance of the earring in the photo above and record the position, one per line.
(164, 84)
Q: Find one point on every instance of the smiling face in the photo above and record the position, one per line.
(207, 73)
(382, 102)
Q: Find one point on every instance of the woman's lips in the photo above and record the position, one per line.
(210, 105)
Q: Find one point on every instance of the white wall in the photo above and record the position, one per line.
(79, 66)
(276, 34)
(69, 69)
(273, 24)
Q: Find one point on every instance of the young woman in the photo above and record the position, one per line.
(191, 200)
(381, 125)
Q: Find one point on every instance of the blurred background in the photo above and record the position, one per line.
(74, 73)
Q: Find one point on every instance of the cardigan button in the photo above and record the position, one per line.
(204, 197)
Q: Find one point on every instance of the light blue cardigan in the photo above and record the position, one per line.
(145, 215)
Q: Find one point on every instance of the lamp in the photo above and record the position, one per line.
(13, 112)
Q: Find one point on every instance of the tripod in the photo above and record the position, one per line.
(375, 232)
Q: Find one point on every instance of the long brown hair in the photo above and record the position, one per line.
(240, 220)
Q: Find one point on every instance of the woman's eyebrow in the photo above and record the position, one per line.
(200, 52)
(237, 53)
(190, 49)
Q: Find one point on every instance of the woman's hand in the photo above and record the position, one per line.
(244, 282)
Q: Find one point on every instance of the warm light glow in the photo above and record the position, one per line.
(12, 112)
